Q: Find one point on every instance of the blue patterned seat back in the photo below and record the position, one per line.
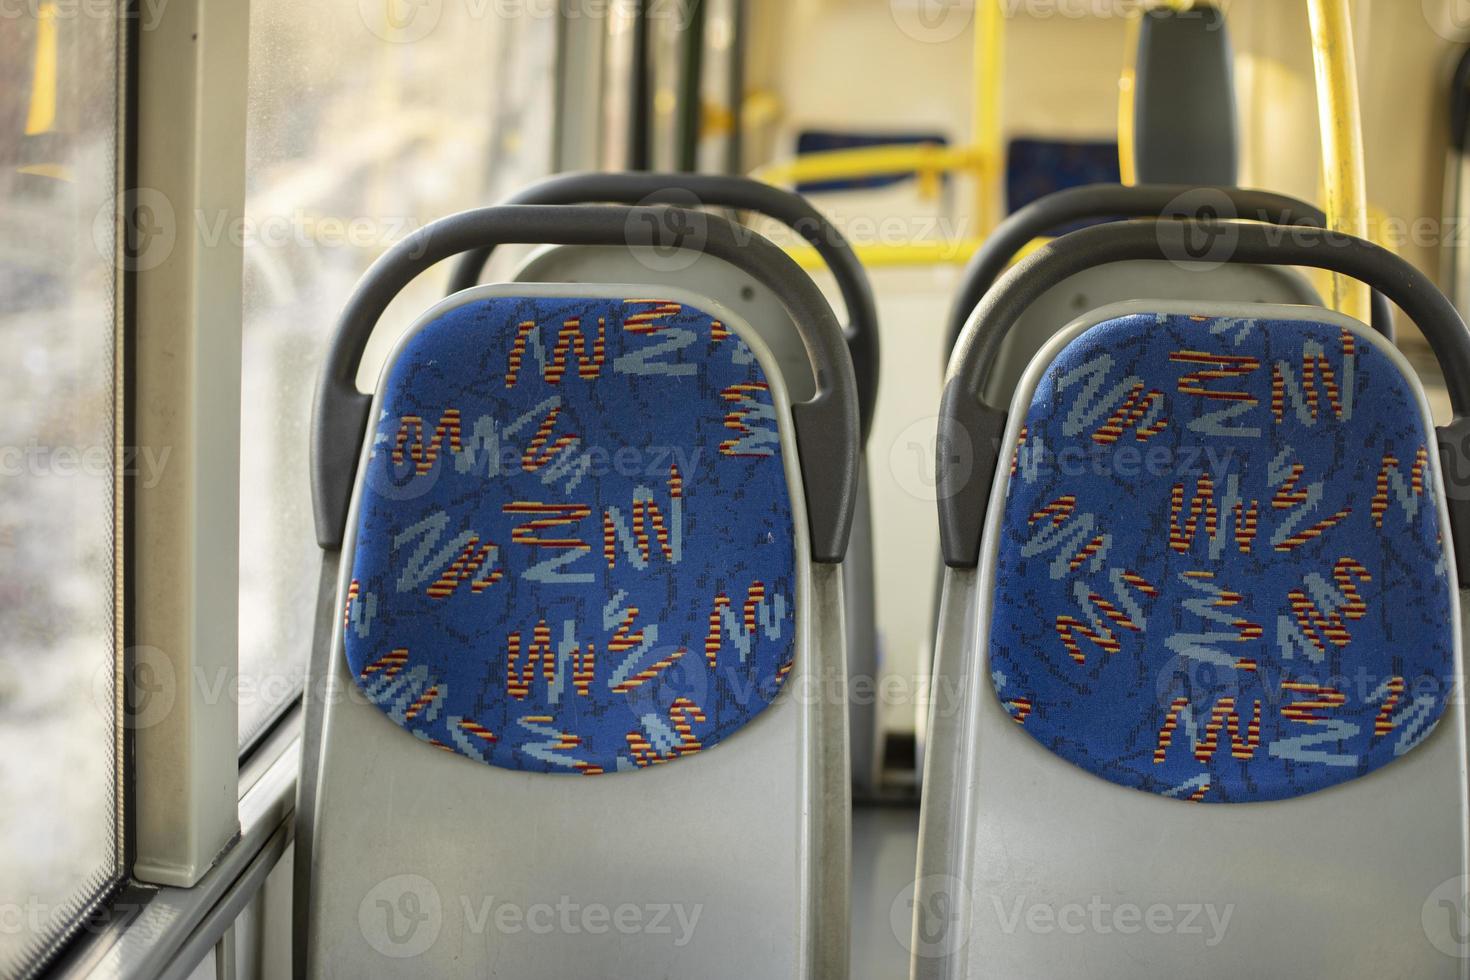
(1222, 567)
(574, 549)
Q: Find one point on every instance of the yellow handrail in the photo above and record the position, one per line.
(1338, 116)
(896, 255)
(909, 254)
(41, 115)
(1340, 121)
(987, 132)
(1127, 95)
(924, 159)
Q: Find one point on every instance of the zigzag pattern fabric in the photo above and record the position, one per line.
(1222, 574)
(574, 545)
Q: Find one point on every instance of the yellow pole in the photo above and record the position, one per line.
(986, 133)
(1127, 82)
(41, 117)
(1340, 121)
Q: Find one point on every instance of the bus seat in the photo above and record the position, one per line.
(736, 290)
(1204, 628)
(739, 291)
(585, 623)
(1164, 279)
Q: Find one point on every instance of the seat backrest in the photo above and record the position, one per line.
(574, 550)
(579, 545)
(1217, 567)
(738, 291)
(1180, 276)
(1122, 281)
(691, 190)
(1184, 625)
(703, 274)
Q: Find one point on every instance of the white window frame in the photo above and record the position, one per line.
(190, 165)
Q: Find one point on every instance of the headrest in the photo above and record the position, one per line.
(573, 546)
(1222, 572)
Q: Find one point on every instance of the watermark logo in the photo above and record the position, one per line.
(150, 690)
(1100, 917)
(149, 229)
(932, 21)
(401, 916)
(928, 917)
(400, 21)
(931, 459)
(392, 480)
(1450, 19)
(1455, 460)
(1446, 917)
(148, 13)
(668, 238)
(1202, 675)
(1207, 239)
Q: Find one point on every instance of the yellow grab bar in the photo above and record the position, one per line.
(870, 161)
(1339, 118)
(1127, 97)
(41, 116)
(987, 134)
(909, 254)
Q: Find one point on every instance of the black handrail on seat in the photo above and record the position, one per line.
(1155, 201)
(826, 426)
(740, 193)
(965, 415)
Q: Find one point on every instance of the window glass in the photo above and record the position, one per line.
(409, 113)
(59, 753)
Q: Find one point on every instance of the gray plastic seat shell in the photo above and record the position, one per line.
(753, 833)
(1342, 882)
(1122, 281)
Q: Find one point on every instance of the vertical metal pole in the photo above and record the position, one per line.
(639, 142)
(735, 145)
(986, 126)
(1127, 97)
(1341, 124)
(581, 49)
(691, 73)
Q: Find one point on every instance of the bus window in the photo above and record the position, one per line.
(351, 146)
(59, 771)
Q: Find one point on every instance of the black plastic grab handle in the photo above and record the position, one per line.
(965, 416)
(1156, 201)
(741, 193)
(826, 426)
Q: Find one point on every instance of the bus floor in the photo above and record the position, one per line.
(884, 852)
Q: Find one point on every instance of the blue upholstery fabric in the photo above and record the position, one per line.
(1220, 571)
(574, 548)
